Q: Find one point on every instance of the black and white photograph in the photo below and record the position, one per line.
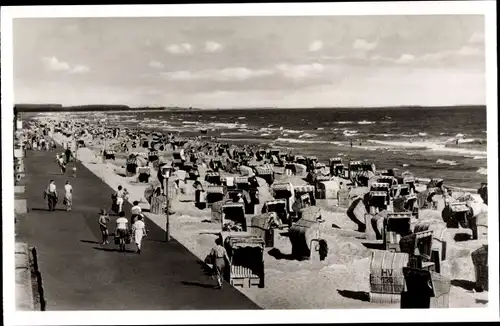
(222, 161)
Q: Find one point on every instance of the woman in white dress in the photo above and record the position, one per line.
(139, 231)
(68, 196)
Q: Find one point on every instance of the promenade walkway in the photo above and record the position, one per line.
(81, 274)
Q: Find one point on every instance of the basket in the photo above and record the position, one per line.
(386, 272)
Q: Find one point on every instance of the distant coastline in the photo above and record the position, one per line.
(113, 108)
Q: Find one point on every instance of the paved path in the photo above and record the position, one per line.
(80, 274)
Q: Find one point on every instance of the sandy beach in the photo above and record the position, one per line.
(339, 281)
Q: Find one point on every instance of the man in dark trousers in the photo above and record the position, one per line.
(67, 153)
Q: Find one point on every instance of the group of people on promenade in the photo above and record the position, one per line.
(122, 231)
(52, 198)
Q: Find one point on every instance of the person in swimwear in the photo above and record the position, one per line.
(103, 221)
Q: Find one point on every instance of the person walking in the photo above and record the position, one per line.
(68, 196)
(218, 257)
(119, 198)
(62, 164)
(135, 211)
(51, 195)
(138, 232)
(103, 225)
(67, 152)
(121, 231)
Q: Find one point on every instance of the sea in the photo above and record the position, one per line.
(448, 143)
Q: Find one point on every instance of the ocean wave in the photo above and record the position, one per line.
(320, 128)
(307, 135)
(290, 131)
(344, 122)
(232, 133)
(264, 135)
(483, 171)
(471, 141)
(241, 118)
(364, 122)
(190, 122)
(460, 135)
(406, 164)
(422, 134)
(234, 125)
(441, 161)
(348, 132)
(302, 141)
(385, 135)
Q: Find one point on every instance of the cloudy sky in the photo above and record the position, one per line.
(251, 61)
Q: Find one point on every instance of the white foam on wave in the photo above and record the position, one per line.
(429, 145)
(349, 133)
(306, 135)
(344, 122)
(234, 125)
(290, 131)
(385, 135)
(265, 134)
(365, 122)
(483, 171)
(441, 161)
(422, 134)
(406, 164)
(241, 118)
(302, 141)
(232, 133)
(190, 122)
(320, 128)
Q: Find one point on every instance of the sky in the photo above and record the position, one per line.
(237, 62)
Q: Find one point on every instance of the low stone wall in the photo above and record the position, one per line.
(29, 289)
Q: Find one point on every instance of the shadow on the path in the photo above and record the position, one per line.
(114, 250)
(47, 210)
(356, 295)
(201, 285)
(464, 284)
(481, 301)
(90, 241)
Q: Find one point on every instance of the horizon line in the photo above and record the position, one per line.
(124, 106)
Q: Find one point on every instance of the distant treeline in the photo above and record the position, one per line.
(82, 108)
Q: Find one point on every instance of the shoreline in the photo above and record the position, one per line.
(347, 267)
